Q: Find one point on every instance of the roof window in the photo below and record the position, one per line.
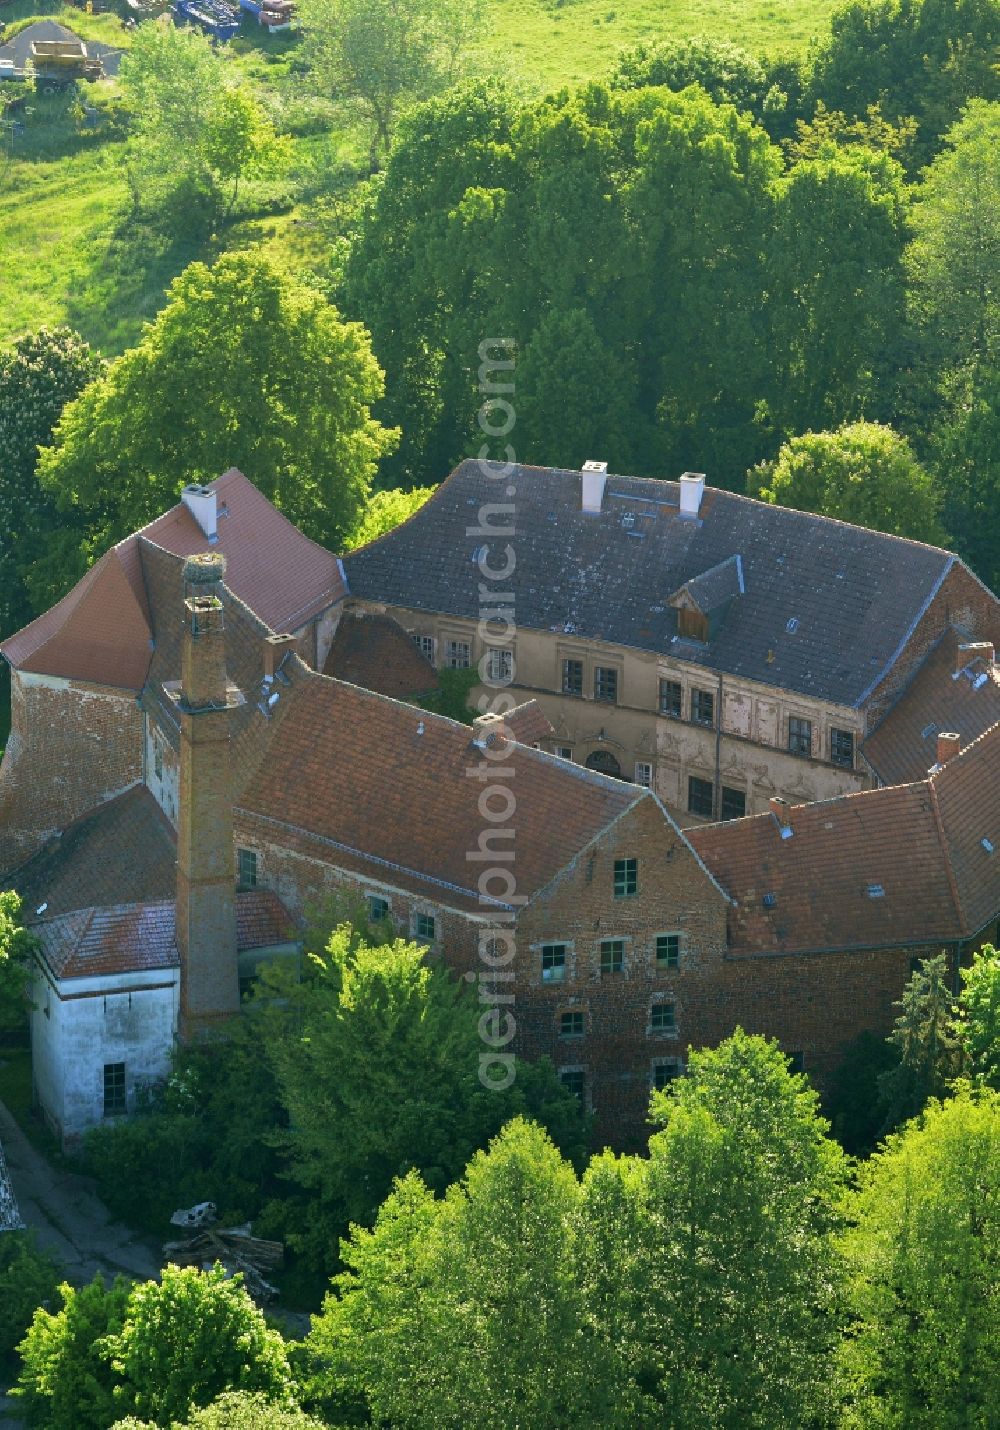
(876, 891)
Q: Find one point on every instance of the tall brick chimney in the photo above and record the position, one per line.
(948, 745)
(206, 884)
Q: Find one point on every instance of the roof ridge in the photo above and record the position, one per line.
(946, 856)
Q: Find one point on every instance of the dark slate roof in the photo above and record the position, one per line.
(713, 588)
(827, 605)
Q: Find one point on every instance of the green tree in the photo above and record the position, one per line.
(727, 72)
(954, 258)
(28, 1278)
(837, 287)
(979, 1016)
(384, 511)
(187, 1338)
(39, 374)
(864, 473)
(384, 54)
(245, 367)
(925, 1036)
(196, 129)
(15, 951)
(450, 1306)
(923, 1256)
(964, 453)
(743, 1192)
(236, 1410)
(66, 1380)
(377, 1057)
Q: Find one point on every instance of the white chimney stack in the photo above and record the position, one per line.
(692, 485)
(593, 479)
(202, 504)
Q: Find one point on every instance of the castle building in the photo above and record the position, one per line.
(212, 734)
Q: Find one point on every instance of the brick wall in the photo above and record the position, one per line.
(71, 747)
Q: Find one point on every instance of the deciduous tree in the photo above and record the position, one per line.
(925, 1036)
(66, 1380)
(979, 1016)
(15, 949)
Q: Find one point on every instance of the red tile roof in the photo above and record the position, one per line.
(903, 747)
(283, 577)
(136, 938)
(374, 651)
(895, 866)
(393, 787)
(102, 631)
(528, 723)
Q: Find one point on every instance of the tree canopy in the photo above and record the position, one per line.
(864, 473)
(244, 366)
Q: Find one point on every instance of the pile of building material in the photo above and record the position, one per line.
(234, 1247)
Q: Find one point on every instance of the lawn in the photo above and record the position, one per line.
(545, 44)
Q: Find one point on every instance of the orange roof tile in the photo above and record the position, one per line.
(374, 651)
(528, 723)
(283, 577)
(967, 792)
(135, 938)
(382, 782)
(903, 747)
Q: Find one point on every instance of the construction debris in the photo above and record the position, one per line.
(235, 1248)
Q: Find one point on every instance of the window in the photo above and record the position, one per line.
(734, 803)
(626, 878)
(842, 747)
(662, 1018)
(157, 755)
(605, 683)
(246, 865)
(425, 928)
(574, 1080)
(644, 774)
(378, 908)
(703, 707)
(572, 677)
(459, 655)
(499, 666)
(664, 1072)
(800, 736)
(668, 950)
(565, 752)
(114, 1090)
(553, 962)
(612, 955)
(424, 644)
(571, 1023)
(798, 1062)
(671, 696)
(700, 797)
(692, 625)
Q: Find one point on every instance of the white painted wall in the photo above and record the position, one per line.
(119, 1019)
(162, 770)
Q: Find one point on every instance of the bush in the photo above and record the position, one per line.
(28, 1278)
(66, 1380)
(237, 1410)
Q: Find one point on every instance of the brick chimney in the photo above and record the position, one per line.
(206, 884)
(779, 809)
(948, 745)
(490, 731)
(275, 650)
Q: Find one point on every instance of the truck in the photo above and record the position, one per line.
(272, 14)
(220, 21)
(56, 64)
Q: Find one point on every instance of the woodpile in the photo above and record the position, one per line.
(237, 1250)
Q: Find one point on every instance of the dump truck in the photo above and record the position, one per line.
(56, 64)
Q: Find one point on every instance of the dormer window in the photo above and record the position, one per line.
(692, 625)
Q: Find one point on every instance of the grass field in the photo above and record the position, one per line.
(547, 44)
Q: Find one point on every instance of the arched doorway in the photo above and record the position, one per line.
(604, 762)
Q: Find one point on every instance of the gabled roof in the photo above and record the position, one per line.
(951, 691)
(528, 723)
(136, 938)
(283, 577)
(386, 788)
(713, 588)
(122, 852)
(894, 866)
(375, 652)
(104, 630)
(827, 605)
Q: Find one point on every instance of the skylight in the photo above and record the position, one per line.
(876, 891)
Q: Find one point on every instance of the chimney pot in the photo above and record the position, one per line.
(203, 571)
(692, 488)
(593, 479)
(948, 745)
(202, 503)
